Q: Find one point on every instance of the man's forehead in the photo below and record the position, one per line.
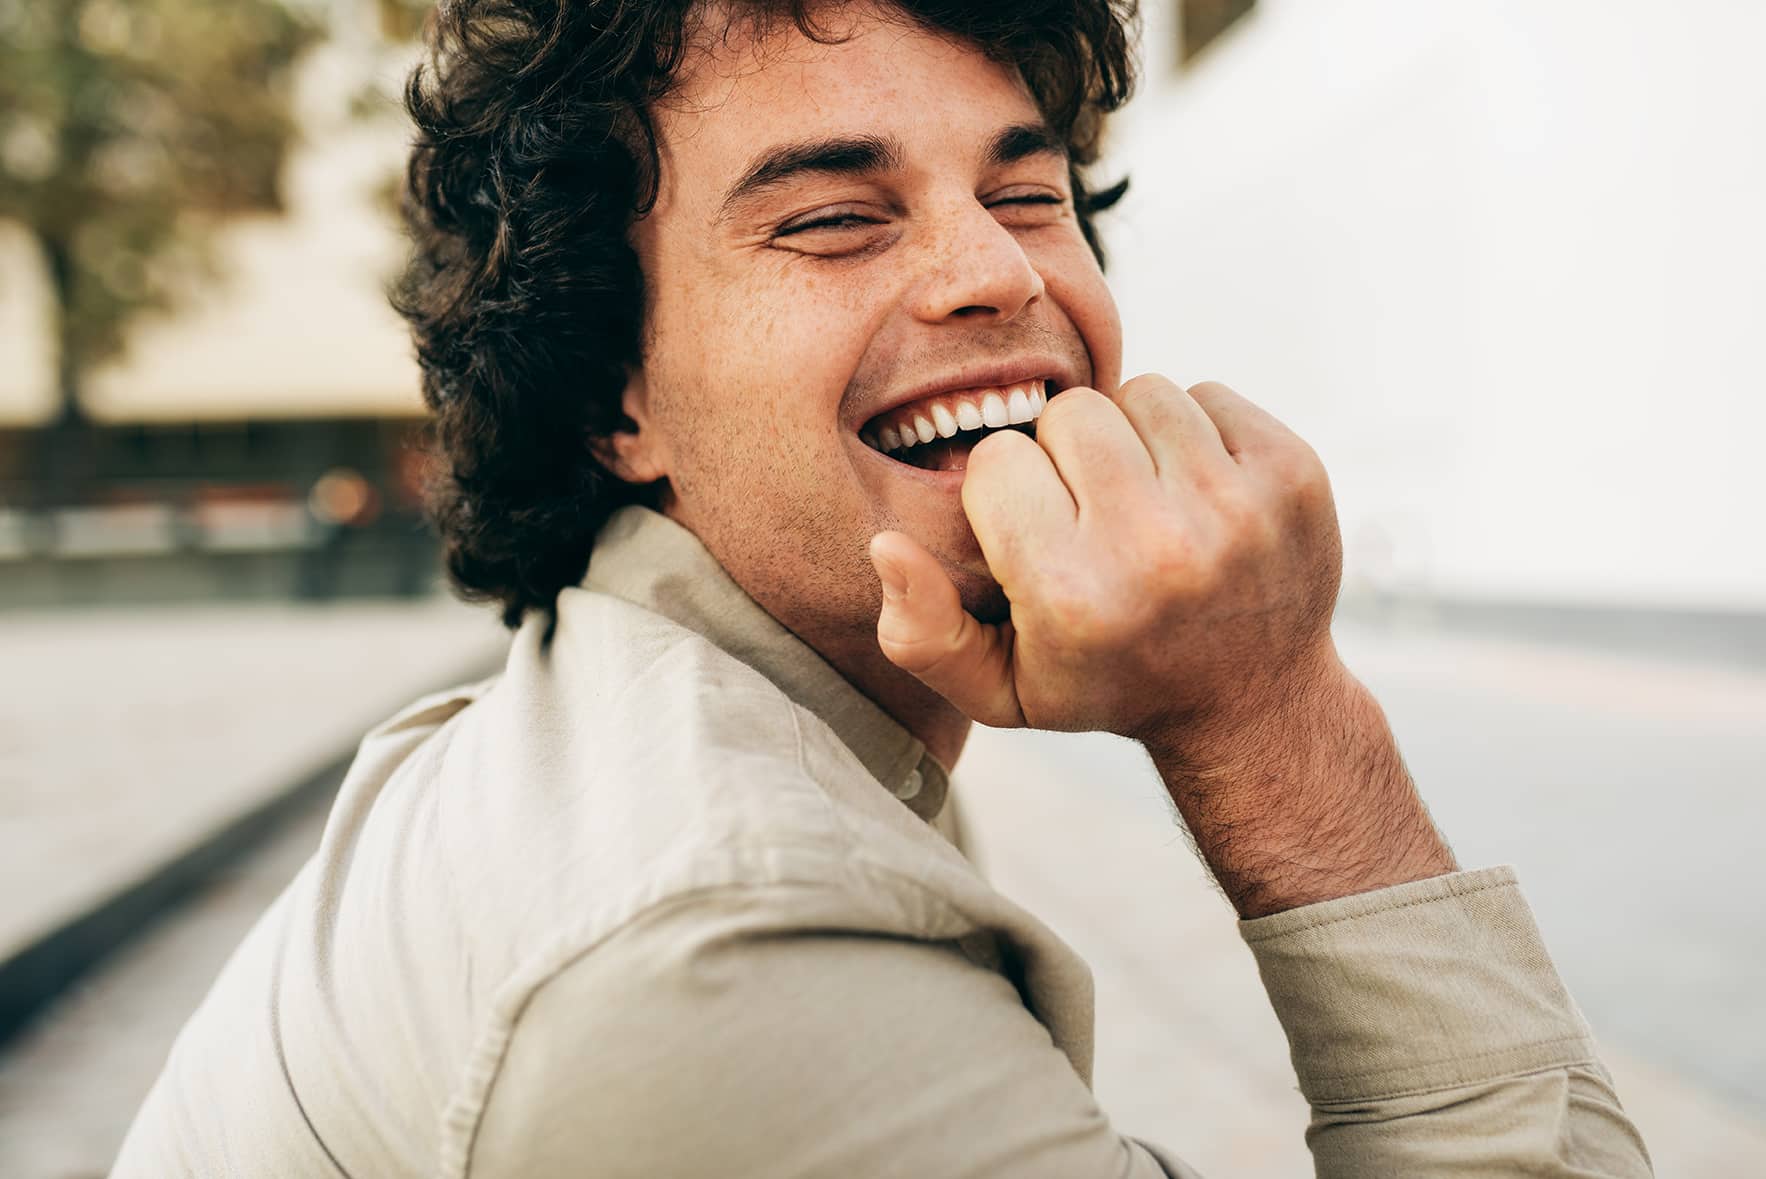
(745, 91)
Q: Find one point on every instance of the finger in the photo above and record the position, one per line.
(1097, 452)
(924, 630)
(1017, 506)
(1176, 431)
(1244, 428)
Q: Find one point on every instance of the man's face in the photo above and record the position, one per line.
(846, 231)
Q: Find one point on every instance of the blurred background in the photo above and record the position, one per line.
(1502, 264)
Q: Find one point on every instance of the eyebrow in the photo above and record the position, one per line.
(1023, 140)
(859, 155)
(838, 155)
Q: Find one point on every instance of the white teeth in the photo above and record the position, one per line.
(993, 410)
(866, 438)
(1010, 406)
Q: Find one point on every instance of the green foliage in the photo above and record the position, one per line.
(128, 128)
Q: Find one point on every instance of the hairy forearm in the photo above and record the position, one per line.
(1301, 800)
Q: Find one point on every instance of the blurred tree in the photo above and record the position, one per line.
(399, 25)
(128, 129)
(402, 20)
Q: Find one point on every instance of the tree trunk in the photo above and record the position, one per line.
(65, 458)
(58, 256)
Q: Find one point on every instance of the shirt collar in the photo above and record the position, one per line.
(652, 561)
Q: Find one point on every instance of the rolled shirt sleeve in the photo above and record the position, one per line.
(1432, 1036)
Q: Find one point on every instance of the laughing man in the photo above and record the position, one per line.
(778, 387)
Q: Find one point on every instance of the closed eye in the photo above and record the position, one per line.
(852, 220)
(834, 221)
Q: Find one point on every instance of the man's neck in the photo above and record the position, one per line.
(940, 727)
(935, 721)
(929, 717)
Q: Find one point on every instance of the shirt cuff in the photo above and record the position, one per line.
(1416, 988)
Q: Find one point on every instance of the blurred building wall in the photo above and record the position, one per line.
(27, 365)
(1502, 263)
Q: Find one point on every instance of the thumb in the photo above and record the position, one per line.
(924, 629)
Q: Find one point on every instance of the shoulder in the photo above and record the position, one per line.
(430, 712)
(776, 1030)
(627, 762)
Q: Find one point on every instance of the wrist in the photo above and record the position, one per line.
(1301, 799)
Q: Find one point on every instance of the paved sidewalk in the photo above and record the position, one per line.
(132, 738)
(1189, 1054)
(71, 1082)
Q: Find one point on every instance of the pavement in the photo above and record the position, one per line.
(139, 747)
(1078, 830)
(1627, 790)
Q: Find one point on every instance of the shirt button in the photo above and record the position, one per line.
(911, 787)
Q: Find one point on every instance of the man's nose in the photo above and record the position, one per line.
(976, 269)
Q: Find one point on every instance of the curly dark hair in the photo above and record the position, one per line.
(534, 155)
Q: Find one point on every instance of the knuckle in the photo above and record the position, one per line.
(1300, 474)
(1206, 389)
(1146, 388)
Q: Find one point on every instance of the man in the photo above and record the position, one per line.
(788, 322)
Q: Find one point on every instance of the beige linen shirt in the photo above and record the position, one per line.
(664, 898)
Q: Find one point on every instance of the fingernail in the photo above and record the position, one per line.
(895, 585)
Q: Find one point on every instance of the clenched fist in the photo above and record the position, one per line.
(1170, 557)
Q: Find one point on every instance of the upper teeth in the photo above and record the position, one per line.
(946, 414)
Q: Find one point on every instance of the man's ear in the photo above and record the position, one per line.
(636, 456)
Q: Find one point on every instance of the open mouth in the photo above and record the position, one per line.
(937, 433)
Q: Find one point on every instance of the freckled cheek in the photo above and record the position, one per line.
(762, 371)
(808, 337)
(1078, 288)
